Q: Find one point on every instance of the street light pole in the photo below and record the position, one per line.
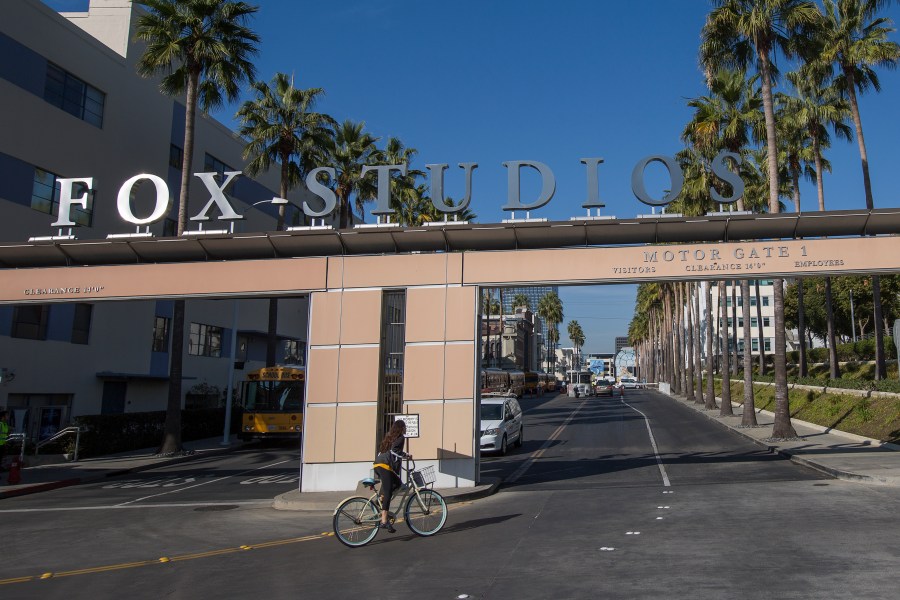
(852, 316)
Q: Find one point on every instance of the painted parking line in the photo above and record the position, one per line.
(216, 480)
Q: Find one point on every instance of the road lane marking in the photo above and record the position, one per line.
(159, 561)
(540, 451)
(659, 461)
(205, 482)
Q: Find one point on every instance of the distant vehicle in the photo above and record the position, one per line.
(501, 423)
(630, 383)
(580, 383)
(272, 399)
(532, 382)
(603, 387)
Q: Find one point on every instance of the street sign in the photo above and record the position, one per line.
(412, 424)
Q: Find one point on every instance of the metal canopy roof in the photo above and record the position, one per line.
(452, 236)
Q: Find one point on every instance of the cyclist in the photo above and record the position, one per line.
(387, 468)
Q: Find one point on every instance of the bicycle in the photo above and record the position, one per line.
(356, 519)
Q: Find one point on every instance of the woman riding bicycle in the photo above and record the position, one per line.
(387, 468)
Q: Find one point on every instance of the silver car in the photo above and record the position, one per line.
(501, 423)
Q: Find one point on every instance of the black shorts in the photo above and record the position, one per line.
(389, 482)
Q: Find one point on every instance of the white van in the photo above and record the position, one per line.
(501, 423)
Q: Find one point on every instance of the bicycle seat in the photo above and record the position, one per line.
(368, 481)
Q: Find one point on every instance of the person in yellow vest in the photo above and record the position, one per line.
(4, 435)
(387, 468)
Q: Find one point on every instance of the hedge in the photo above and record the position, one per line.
(109, 434)
(849, 352)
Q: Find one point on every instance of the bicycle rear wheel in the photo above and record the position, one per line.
(356, 521)
(426, 516)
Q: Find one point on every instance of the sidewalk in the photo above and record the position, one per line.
(836, 453)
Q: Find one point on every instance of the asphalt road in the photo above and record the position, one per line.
(600, 502)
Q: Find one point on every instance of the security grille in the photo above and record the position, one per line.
(393, 342)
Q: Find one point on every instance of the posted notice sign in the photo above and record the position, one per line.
(412, 424)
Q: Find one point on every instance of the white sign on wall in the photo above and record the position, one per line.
(412, 424)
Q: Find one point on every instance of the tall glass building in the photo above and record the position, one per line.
(533, 293)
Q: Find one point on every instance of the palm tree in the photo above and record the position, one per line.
(550, 309)
(812, 111)
(521, 300)
(855, 39)
(489, 305)
(202, 49)
(348, 152)
(576, 334)
(282, 129)
(738, 33)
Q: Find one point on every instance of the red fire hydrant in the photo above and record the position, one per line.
(15, 471)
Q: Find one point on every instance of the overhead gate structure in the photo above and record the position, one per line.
(440, 267)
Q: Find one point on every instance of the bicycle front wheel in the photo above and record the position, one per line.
(426, 513)
(356, 521)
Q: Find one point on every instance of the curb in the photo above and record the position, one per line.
(279, 503)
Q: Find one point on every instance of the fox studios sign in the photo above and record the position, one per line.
(216, 189)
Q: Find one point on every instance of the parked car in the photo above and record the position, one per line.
(603, 388)
(630, 383)
(501, 423)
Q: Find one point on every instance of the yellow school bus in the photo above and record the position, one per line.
(272, 399)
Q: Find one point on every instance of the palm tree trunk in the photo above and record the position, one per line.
(782, 427)
(698, 354)
(803, 367)
(759, 329)
(834, 367)
(676, 354)
(271, 333)
(689, 346)
(725, 408)
(710, 325)
(172, 437)
(733, 324)
(748, 418)
(880, 365)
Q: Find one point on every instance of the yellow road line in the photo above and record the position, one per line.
(163, 560)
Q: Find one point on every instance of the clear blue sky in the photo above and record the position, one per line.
(487, 82)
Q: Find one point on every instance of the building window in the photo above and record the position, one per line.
(393, 345)
(765, 300)
(161, 334)
(30, 322)
(81, 325)
(765, 321)
(64, 90)
(754, 345)
(206, 340)
(768, 344)
(211, 164)
(45, 197)
(176, 156)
